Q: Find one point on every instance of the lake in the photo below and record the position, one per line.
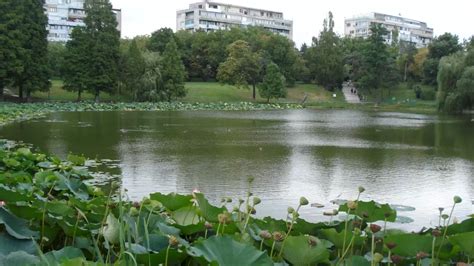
(410, 160)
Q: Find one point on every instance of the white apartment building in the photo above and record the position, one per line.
(65, 15)
(211, 16)
(409, 30)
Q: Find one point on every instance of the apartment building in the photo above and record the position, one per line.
(211, 16)
(409, 30)
(65, 15)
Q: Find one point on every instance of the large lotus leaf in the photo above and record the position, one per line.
(175, 257)
(65, 254)
(191, 229)
(172, 201)
(226, 251)
(208, 211)
(76, 186)
(270, 224)
(156, 242)
(356, 261)
(10, 244)
(19, 258)
(298, 251)
(186, 216)
(464, 227)
(306, 228)
(409, 245)
(12, 195)
(15, 226)
(76, 160)
(372, 211)
(465, 241)
(60, 208)
(337, 238)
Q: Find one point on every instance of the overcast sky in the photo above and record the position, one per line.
(140, 17)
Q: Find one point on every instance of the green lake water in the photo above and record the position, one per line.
(420, 161)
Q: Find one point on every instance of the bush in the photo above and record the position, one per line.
(428, 94)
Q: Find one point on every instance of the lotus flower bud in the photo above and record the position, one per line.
(241, 201)
(375, 228)
(356, 223)
(436, 233)
(256, 201)
(278, 236)
(441, 209)
(312, 241)
(377, 258)
(208, 225)
(352, 205)
(457, 199)
(265, 235)
(445, 216)
(391, 245)
(421, 255)
(361, 189)
(304, 201)
(396, 259)
(173, 241)
(228, 200)
(291, 210)
(136, 204)
(253, 211)
(365, 215)
(224, 218)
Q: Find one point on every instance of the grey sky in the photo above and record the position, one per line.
(142, 17)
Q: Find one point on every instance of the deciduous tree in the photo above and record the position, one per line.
(273, 85)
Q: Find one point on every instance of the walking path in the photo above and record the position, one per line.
(350, 97)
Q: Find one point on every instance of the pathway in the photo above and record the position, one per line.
(350, 97)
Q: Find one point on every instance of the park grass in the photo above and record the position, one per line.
(215, 92)
(208, 92)
(58, 94)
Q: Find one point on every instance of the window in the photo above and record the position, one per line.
(53, 9)
(200, 6)
(213, 6)
(348, 24)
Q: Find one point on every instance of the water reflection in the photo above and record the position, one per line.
(407, 159)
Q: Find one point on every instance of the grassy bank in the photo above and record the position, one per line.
(51, 215)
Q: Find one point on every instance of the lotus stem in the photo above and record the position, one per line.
(445, 230)
(218, 229)
(261, 245)
(389, 257)
(372, 251)
(289, 229)
(347, 250)
(167, 254)
(345, 228)
(433, 251)
(273, 247)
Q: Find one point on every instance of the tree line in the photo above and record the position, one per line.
(155, 67)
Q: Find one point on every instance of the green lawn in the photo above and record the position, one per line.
(57, 93)
(216, 92)
(208, 92)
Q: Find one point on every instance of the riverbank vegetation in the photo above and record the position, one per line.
(51, 214)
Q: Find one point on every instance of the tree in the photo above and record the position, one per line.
(31, 72)
(465, 86)
(450, 71)
(134, 68)
(173, 73)
(56, 54)
(440, 47)
(376, 63)
(327, 57)
(418, 61)
(160, 39)
(273, 85)
(76, 63)
(103, 41)
(242, 67)
(10, 42)
(406, 59)
(150, 81)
